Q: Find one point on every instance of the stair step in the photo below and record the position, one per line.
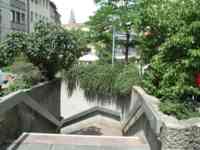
(32, 141)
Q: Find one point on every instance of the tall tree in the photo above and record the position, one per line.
(118, 14)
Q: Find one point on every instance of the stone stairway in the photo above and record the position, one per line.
(33, 141)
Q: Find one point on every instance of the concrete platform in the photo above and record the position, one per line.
(97, 125)
(29, 141)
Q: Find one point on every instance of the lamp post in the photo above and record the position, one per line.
(113, 19)
(113, 47)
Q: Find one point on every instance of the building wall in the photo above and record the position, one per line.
(13, 16)
(39, 10)
(18, 15)
(54, 15)
(21, 15)
(5, 26)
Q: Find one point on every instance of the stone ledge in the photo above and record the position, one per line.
(173, 134)
(152, 108)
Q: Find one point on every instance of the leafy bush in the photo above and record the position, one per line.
(26, 71)
(26, 74)
(171, 76)
(126, 79)
(104, 80)
(50, 47)
(16, 85)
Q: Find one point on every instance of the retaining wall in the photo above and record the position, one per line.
(161, 132)
(32, 110)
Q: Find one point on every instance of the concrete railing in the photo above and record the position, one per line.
(162, 132)
(90, 113)
(32, 110)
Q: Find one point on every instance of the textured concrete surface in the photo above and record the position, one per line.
(67, 142)
(90, 113)
(20, 112)
(97, 125)
(161, 131)
(78, 102)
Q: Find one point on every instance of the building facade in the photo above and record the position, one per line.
(54, 15)
(13, 15)
(21, 15)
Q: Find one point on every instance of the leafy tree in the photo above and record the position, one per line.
(119, 14)
(7, 54)
(50, 47)
(173, 54)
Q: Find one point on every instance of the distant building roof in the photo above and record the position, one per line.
(73, 25)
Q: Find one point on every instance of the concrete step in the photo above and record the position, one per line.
(32, 141)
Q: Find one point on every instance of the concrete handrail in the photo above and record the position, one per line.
(147, 106)
(21, 97)
(88, 113)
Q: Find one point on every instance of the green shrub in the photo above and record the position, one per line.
(50, 47)
(104, 80)
(26, 74)
(126, 79)
(15, 86)
(178, 109)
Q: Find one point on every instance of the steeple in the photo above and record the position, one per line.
(72, 19)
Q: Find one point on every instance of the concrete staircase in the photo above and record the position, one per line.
(32, 141)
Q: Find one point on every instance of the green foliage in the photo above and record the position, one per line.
(126, 79)
(104, 80)
(7, 54)
(98, 79)
(173, 51)
(26, 74)
(50, 47)
(120, 15)
(26, 71)
(13, 87)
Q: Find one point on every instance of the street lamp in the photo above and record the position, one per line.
(113, 47)
(113, 18)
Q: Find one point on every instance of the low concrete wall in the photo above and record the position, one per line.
(48, 96)
(162, 132)
(9, 126)
(30, 111)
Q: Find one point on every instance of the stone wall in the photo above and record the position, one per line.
(30, 111)
(9, 126)
(161, 132)
(48, 96)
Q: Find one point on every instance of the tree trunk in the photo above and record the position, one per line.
(127, 47)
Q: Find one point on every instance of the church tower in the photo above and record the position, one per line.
(72, 19)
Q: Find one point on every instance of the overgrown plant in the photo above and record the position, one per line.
(50, 47)
(104, 80)
(174, 55)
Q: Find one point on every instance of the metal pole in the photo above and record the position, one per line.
(113, 47)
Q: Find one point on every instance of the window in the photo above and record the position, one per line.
(12, 15)
(44, 3)
(0, 16)
(32, 18)
(23, 18)
(36, 16)
(18, 20)
(47, 3)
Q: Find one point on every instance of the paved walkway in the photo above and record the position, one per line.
(67, 142)
(97, 125)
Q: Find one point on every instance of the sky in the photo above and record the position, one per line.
(82, 9)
